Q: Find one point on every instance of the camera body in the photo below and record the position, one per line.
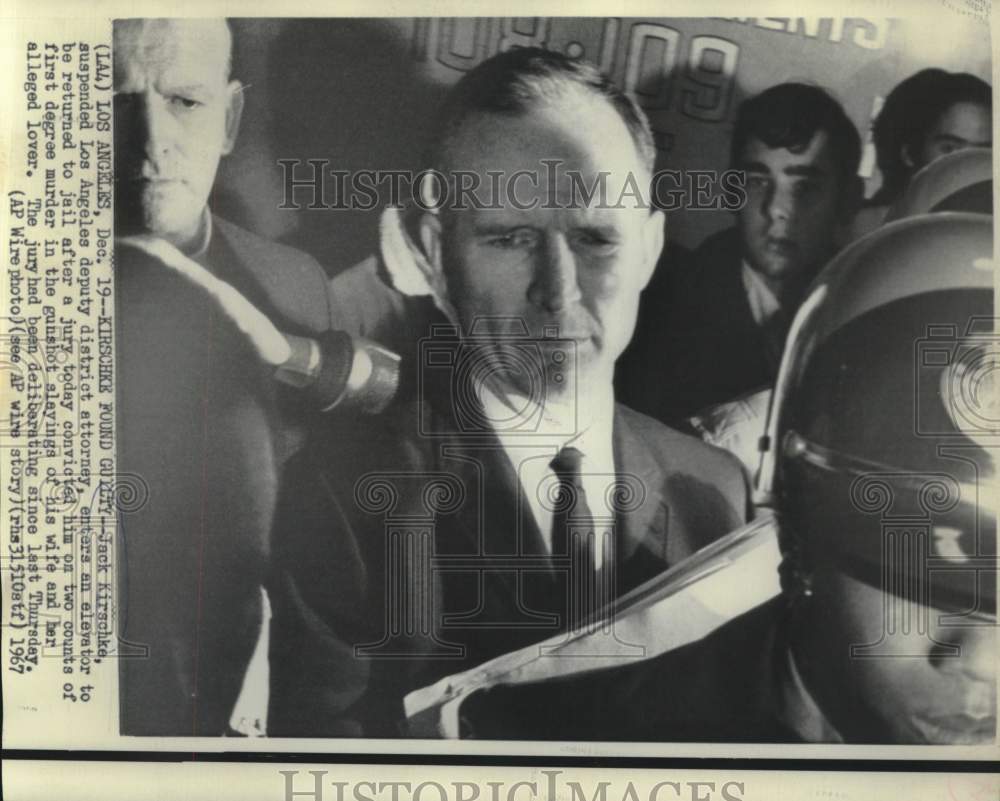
(960, 369)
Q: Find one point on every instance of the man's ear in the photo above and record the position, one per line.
(653, 235)
(429, 230)
(430, 261)
(234, 113)
(906, 157)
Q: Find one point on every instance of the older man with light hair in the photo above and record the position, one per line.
(201, 421)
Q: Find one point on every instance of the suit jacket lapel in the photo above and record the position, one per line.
(293, 293)
(496, 519)
(491, 524)
(643, 523)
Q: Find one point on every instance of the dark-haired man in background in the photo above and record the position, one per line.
(928, 115)
(717, 331)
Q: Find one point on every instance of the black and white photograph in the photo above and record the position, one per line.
(468, 361)
(578, 387)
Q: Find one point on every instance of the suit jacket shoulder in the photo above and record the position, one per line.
(709, 487)
(291, 283)
(674, 447)
(695, 336)
(365, 304)
(701, 346)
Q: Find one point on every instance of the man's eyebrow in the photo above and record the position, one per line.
(493, 228)
(188, 87)
(805, 170)
(754, 166)
(192, 87)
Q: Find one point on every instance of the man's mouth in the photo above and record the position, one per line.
(147, 173)
(780, 246)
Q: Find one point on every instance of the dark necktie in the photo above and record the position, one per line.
(573, 535)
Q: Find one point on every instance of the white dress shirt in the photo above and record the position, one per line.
(764, 304)
(588, 427)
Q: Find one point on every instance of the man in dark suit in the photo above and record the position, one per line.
(202, 426)
(713, 330)
(513, 498)
(885, 631)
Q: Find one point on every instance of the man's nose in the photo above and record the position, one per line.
(149, 123)
(780, 205)
(555, 286)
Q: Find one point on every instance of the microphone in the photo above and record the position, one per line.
(337, 370)
(340, 371)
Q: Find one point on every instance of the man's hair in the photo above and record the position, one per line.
(119, 26)
(789, 115)
(520, 79)
(910, 110)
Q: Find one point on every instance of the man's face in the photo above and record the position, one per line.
(908, 689)
(963, 125)
(176, 114)
(793, 208)
(577, 269)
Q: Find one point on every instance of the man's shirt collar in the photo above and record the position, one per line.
(199, 246)
(531, 434)
(584, 423)
(764, 304)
